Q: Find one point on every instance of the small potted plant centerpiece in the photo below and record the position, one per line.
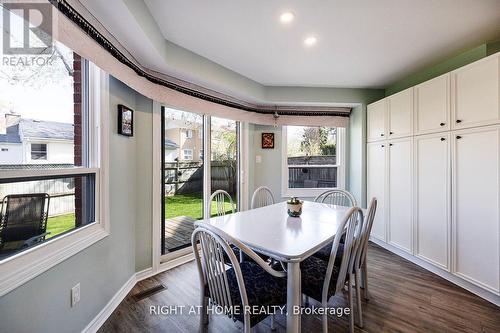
(294, 206)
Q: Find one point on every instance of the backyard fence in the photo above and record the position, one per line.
(312, 171)
(187, 177)
(61, 192)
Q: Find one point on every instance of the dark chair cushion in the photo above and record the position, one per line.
(313, 272)
(324, 253)
(245, 256)
(262, 289)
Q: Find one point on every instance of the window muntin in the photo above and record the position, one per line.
(187, 154)
(38, 151)
(312, 159)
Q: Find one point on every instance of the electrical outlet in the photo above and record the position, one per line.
(75, 295)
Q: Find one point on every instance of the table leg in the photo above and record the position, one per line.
(293, 297)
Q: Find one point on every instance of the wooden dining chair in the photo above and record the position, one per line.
(337, 197)
(220, 197)
(242, 286)
(263, 196)
(321, 279)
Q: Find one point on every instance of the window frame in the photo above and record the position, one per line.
(40, 151)
(26, 265)
(184, 154)
(313, 192)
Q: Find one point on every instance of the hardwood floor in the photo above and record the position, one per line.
(404, 298)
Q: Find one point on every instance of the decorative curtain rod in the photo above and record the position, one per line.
(73, 15)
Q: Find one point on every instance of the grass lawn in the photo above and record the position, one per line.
(59, 224)
(188, 205)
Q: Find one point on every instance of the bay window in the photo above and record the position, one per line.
(313, 160)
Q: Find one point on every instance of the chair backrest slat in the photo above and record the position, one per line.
(365, 237)
(337, 197)
(263, 196)
(220, 198)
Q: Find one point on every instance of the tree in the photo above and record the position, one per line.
(313, 139)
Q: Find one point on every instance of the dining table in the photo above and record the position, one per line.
(271, 231)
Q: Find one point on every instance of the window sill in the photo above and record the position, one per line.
(26, 265)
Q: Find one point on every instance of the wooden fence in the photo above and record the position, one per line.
(187, 177)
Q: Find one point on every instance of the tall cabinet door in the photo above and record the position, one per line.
(376, 172)
(432, 105)
(432, 198)
(400, 193)
(400, 113)
(475, 93)
(476, 186)
(376, 118)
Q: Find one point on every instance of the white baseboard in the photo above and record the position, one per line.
(144, 274)
(490, 297)
(120, 295)
(102, 316)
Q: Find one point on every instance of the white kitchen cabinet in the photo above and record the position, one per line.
(475, 93)
(476, 186)
(376, 118)
(432, 105)
(400, 114)
(376, 176)
(400, 202)
(432, 198)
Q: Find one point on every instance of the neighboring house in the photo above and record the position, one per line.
(28, 141)
(187, 137)
(171, 150)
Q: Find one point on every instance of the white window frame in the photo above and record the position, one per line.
(189, 134)
(313, 192)
(26, 265)
(46, 151)
(184, 155)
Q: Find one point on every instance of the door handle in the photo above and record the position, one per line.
(382, 134)
(442, 124)
(390, 144)
(391, 133)
(459, 137)
(443, 139)
(458, 121)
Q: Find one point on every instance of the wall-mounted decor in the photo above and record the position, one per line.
(125, 121)
(267, 140)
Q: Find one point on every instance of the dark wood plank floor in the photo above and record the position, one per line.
(404, 298)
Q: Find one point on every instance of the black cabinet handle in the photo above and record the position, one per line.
(390, 144)
(391, 132)
(442, 124)
(459, 137)
(458, 121)
(382, 134)
(443, 139)
(382, 146)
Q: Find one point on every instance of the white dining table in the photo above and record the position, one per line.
(270, 231)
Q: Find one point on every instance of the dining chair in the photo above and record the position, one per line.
(220, 197)
(242, 286)
(321, 279)
(337, 197)
(263, 196)
(23, 221)
(340, 198)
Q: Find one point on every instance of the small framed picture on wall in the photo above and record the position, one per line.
(267, 140)
(125, 121)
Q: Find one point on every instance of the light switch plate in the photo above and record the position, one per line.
(258, 159)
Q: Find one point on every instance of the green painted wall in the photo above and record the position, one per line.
(445, 66)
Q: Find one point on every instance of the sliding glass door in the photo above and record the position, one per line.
(187, 185)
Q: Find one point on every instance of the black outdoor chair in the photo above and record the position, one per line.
(23, 221)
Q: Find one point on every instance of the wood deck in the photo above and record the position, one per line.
(178, 232)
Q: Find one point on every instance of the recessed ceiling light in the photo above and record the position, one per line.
(310, 41)
(287, 17)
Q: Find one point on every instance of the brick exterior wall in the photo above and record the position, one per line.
(78, 139)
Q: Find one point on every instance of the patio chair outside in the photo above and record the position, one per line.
(23, 221)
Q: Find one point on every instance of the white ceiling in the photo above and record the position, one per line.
(361, 43)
